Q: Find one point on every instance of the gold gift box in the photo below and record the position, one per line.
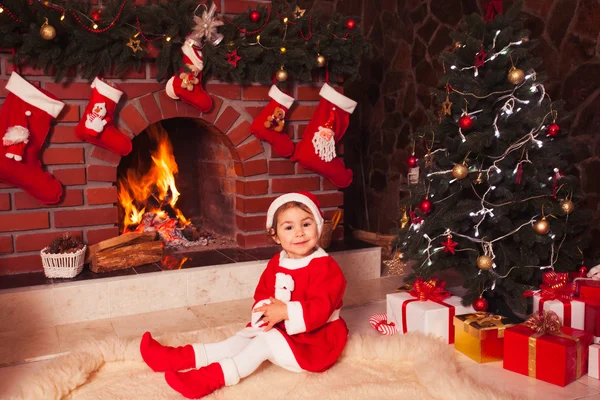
(480, 336)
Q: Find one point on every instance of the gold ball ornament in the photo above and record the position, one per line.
(567, 206)
(281, 75)
(460, 171)
(47, 31)
(485, 263)
(321, 61)
(516, 76)
(541, 227)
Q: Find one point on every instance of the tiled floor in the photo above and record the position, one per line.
(22, 353)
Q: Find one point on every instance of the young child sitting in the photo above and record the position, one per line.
(295, 320)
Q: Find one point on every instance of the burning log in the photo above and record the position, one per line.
(126, 251)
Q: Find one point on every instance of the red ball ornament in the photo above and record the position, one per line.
(583, 270)
(412, 161)
(254, 16)
(553, 130)
(480, 304)
(465, 122)
(96, 15)
(350, 24)
(426, 206)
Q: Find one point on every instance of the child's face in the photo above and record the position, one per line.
(296, 232)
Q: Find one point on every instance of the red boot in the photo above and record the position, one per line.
(165, 358)
(197, 383)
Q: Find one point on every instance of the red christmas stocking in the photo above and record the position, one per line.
(316, 150)
(25, 119)
(187, 86)
(269, 124)
(96, 126)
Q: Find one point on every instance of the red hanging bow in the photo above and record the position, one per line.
(431, 289)
(556, 286)
(492, 8)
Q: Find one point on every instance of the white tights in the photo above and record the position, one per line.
(249, 353)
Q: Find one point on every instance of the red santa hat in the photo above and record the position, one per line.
(329, 124)
(306, 198)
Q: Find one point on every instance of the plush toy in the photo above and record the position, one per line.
(15, 140)
(95, 118)
(594, 272)
(189, 80)
(275, 121)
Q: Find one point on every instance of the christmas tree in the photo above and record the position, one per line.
(494, 195)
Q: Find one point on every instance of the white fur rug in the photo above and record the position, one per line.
(412, 367)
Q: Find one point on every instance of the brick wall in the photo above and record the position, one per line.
(254, 175)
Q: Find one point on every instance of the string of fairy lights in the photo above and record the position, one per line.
(511, 105)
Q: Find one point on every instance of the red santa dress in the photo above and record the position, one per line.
(313, 288)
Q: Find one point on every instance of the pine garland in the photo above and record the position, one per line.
(163, 27)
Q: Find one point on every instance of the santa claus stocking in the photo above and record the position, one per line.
(25, 119)
(96, 126)
(316, 150)
(187, 86)
(269, 124)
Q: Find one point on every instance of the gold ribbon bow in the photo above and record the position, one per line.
(485, 320)
(556, 286)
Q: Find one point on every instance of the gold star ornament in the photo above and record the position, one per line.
(447, 106)
(134, 45)
(298, 12)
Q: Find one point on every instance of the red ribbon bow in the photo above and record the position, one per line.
(556, 286)
(431, 289)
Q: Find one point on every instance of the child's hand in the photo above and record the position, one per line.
(274, 313)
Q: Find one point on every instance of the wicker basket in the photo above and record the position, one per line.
(67, 265)
(328, 228)
(385, 241)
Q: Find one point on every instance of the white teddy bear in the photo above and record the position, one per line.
(95, 119)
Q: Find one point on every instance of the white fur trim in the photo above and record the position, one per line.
(16, 134)
(284, 286)
(200, 354)
(256, 315)
(194, 55)
(297, 263)
(32, 95)
(300, 198)
(343, 102)
(106, 90)
(281, 97)
(28, 113)
(170, 90)
(295, 323)
(230, 372)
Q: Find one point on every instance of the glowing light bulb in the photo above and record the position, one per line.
(95, 26)
(1, 10)
(62, 17)
(168, 39)
(285, 20)
(453, 67)
(533, 89)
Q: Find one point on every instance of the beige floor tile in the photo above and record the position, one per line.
(71, 334)
(20, 346)
(157, 322)
(223, 313)
(12, 377)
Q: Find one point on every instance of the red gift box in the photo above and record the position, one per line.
(550, 353)
(588, 289)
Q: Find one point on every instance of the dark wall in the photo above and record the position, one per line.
(393, 93)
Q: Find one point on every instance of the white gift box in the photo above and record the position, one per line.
(593, 368)
(428, 316)
(577, 311)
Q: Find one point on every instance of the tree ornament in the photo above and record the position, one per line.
(449, 245)
(447, 106)
(404, 221)
(541, 227)
(479, 179)
(233, 58)
(567, 206)
(254, 16)
(480, 58)
(134, 45)
(583, 270)
(460, 171)
(412, 161)
(516, 76)
(426, 206)
(553, 130)
(350, 24)
(205, 28)
(298, 12)
(47, 31)
(485, 262)
(396, 266)
(457, 45)
(480, 304)
(321, 61)
(465, 122)
(96, 15)
(282, 50)
(281, 75)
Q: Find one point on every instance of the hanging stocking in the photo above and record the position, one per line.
(269, 124)
(97, 126)
(187, 86)
(25, 119)
(316, 150)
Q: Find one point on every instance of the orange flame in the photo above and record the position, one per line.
(135, 190)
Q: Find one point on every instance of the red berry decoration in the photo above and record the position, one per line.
(96, 16)
(350, 24)
(465, 122)
(553, 130)
(412, 161)
(480, 304)
(254, 16)
(426, 206)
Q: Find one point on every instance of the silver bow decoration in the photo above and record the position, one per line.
(206, 27)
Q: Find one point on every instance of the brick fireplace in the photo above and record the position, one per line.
(245, 176)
